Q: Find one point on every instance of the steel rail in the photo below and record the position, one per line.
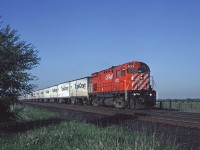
(170, 121)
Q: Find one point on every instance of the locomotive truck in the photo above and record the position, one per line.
(124, 86)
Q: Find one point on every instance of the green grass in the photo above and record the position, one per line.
(35, 114)
(75, 135)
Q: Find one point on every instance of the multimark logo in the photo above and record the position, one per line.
(80, 86)
(64, 88)
(54, 90)
(47, 92)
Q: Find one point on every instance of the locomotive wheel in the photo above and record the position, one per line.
(95, 102)
(120, 103)
(137, 104)
(132, 103)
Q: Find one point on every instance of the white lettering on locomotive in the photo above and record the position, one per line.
(109, 77)
(130, 66)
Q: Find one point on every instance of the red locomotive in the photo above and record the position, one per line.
(122, 86)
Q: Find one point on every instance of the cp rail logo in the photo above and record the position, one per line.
(109, 77)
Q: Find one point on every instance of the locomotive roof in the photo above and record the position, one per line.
(120, 65)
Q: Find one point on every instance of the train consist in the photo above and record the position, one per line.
(124, 86)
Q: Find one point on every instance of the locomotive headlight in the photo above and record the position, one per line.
(135, 94)
(141, 77)
(150, 94)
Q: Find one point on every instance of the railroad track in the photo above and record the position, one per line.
(174, 118)
(179, 122)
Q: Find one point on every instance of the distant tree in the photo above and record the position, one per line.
(16, 59)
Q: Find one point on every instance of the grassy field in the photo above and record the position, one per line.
(72, 135)
(186, 106)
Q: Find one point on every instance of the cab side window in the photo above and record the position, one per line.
(123, 72)
(117, 74)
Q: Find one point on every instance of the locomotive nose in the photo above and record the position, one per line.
(140, 81)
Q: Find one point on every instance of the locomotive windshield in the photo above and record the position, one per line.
(132, 70)
(143, 68)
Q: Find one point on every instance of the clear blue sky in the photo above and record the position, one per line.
(78, 37)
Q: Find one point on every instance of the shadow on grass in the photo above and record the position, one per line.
(110, 120)
(92, 118)
(15, 126)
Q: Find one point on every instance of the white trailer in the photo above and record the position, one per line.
(41, 95)
(46, 94)
(63, 92)
(37, 95)
(74, 91)
(30, 97)
(79, 89)
(33, 96)
(53, 93)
